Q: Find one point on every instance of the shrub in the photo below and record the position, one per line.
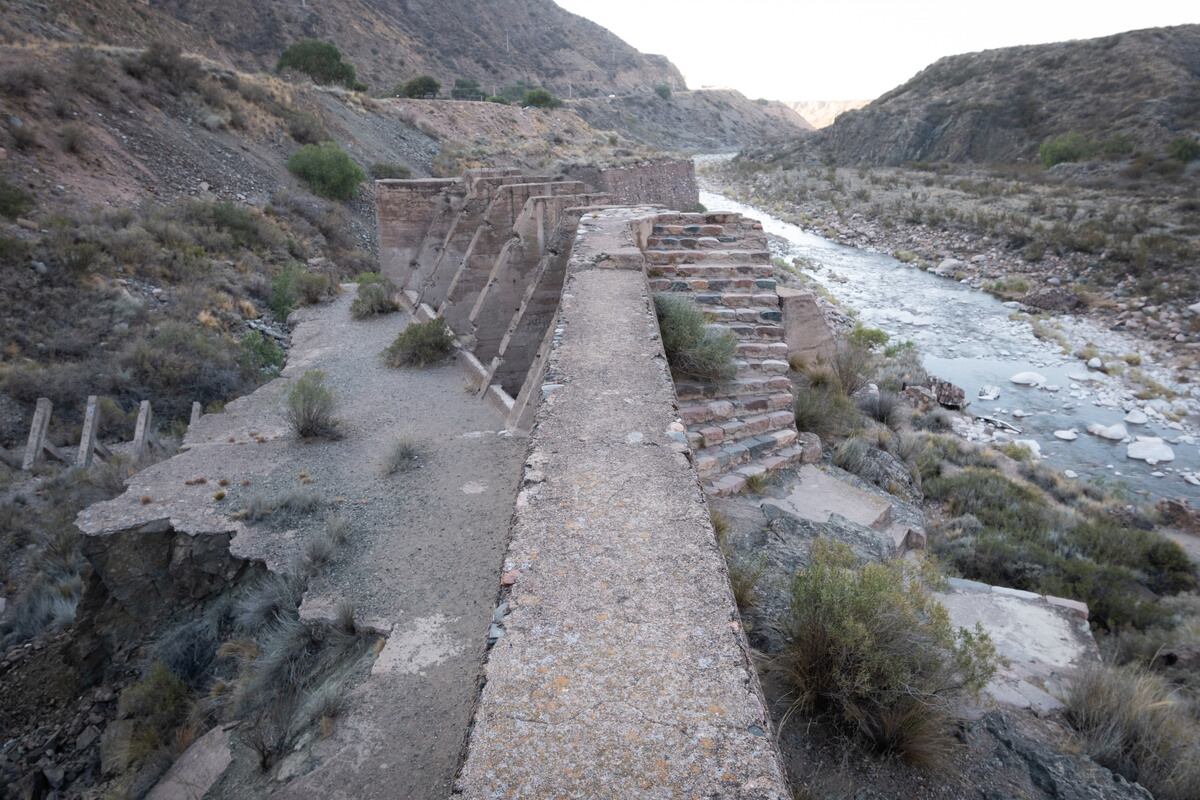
(166, 64)
(823, 409)
(178, 363)
(283, 291)
(663, 91)
(21, 81)
(867, 338)
(403, 457)
(320, 61)
(882, 407)
(937, 420)
(14, 201)
(1065, 147)
(313, 287)
(310, 407)
(540, 98)
(693, 350)
(306, 128)
(421, 343)
(466, 89)
(853, 365)
(373, 298)
(260, 353)
(158, 704)
(1184, 148)
(1135, 724)
(327, 170)
(384, 170)
(873, 648)
(498, 100)
(420, 86)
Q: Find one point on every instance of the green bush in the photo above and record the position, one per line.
(870, 646)
(1184, 149)
(260, 353)
(327, 170)
(313, 287)
(421, 343)
(305, 128)
(540, 98)
(178, 363)
(693, 350)
(166, 65)
(283, 291)
(867, 338)
(157, 704)
(381, 170)
(822, 408)
(310, 407)
(663, 91)
(14, 201)
(420, 86)
(498, 100)
(321, 61)
(1065, 147)
(466, 89)
(1137, 725)
(373, 297)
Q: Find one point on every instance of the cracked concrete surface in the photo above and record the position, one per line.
(623, 670)
(421, 563)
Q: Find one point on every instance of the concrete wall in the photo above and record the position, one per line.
(622, 670)
(670, 183)
(403, 213)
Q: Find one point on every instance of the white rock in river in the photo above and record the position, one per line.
(1095, 363)
(1066, 436)
(1114, 432)
(1194, 308)
(989, 393)
(1192, 478)
(1150, 449)
(1020, 412)
(1070, 473)
(1028, 379)
(1031, 445)
(1137, 417)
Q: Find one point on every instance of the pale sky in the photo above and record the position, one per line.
(852, 49)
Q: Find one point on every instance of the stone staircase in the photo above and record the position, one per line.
(744, 427)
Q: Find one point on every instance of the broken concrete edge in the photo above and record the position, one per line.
(719, 742)
(1075, 607)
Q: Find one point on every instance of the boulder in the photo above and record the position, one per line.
(1112, 432)
(1150, 449)
(1028, 379)
(805, 329)
(1067, 435)
(810, 445)
(1095, 363)
(1052, 298)
(948, 395)
(948, 267)
(989, 393)
(1137, 417)
(1031, 445)
(920, 398)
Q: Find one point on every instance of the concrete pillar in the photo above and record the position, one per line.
(87, 439)
(37, 434)
(196, 414)
(141, 433)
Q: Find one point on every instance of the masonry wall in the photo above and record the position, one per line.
(403, 213)
(670, 183)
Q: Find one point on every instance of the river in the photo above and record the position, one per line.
(969, 337)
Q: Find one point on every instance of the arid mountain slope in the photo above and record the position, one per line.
(822, 113)
(701, 121)
(1133, 90)
(496, 42)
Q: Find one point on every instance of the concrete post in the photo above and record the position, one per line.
(195, 413)
(141, 433)
(37, 434)
(87, 439)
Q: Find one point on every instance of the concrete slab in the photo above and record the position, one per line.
(818, 495)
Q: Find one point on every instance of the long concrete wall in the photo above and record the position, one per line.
(670, 183)
(623, 670)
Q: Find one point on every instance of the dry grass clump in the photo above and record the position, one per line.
(374, 297)
(694, 350)
(310, 407)
(883, 407)
(1134, 723)
(870, 647)
(822, 408)
(403, 457)
(420, 344)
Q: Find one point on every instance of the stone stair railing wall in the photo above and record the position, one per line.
(491, 261)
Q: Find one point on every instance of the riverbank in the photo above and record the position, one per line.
(969, 229)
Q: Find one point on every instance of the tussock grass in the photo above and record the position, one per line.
(870, 647)
(310, 407)
(373, 297)
(823, 409)
(296, 502)
(883, 407)
(1134, 723)
(693, 350)
(420, 344)
(403, 457)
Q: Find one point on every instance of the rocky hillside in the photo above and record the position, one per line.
(496, 42)
(822, 113)
(1132, 91)
(705, 121)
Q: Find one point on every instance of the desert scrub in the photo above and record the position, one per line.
(693, 350)
(822, 408)
(1134, 723)
(310, 407)
(14, 201)
(403, 457)
(158, 704)
(883, 407)
(384, 170)
(421, 343)
(320, 61)
(327, 170)
(313, 287)
(260, 353)
(869, 646)
(373, 297)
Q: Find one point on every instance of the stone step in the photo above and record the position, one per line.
(714, 284)
(689, 391)
(711, 461)
(735, 482)
(732, 299)
(710, 256)
(746, 315)
(720, 410)
(750, 367)
(689, 229)
(760, 349)
(750, 330)
(687, 242)
(713, 433)
(704, 270)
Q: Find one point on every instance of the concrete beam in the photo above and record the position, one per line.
(36, 444)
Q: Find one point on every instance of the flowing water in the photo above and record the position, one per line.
(968, 338)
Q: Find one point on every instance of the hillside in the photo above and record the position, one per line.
(1130, 91)
(822, 113)
(709, 120)
(496, 43)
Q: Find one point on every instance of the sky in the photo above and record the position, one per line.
(852, 49)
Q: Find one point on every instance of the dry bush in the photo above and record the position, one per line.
(374, 297)
(693, 350)
(420, 344)
(310, 407)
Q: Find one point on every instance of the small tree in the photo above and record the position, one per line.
(663, 91)
(327, 170)
(1065, 147)
(1184, 149)
(466, 89)
(321, 61)
(420, 86)
(540, 98)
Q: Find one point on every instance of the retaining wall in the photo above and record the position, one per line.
(670, 183)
